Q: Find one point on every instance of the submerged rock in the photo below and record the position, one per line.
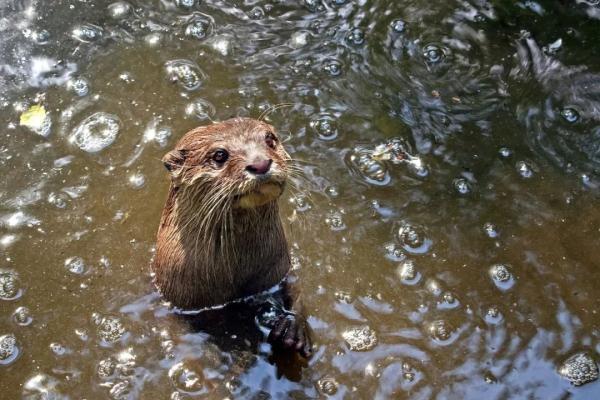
(579, 369)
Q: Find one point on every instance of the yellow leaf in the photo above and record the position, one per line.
(34, 118)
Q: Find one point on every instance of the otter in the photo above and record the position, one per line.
(220, 237)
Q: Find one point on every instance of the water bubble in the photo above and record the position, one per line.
(413, 239)
(119, 9)
(505, 152)
(570, 115)
(22, 316)
(332, 191)
(433, 54)
(333, 67)
(257, 13)
(137, 180)
(186, 379)
(185, 73)
(9, 350)
(75, 265)
(200, 109)
(371, 170)
(96, 132)
(433, 286)
(491, 230)
(185, 4)
(493, 316)
(356, 37)
(394, 252)
(441, 332)
(524, 169)
(360, 338)
(325, 127)
(449, 301)
(579, 369)
(328, 386)
(300, 203)
(408, 273)
(110, 328)
(58, 200)
(338, 2)
(502, 277)
(58, 349)
(106, 368)
(9, 285)
(462, 186)
(153, 39)
(398, 25)
(87, 33)
(79, 86)
(40, 37)
(335, 221)
(199, 28)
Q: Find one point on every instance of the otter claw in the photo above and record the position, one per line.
(289, 333)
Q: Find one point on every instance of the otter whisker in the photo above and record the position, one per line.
(273, 108)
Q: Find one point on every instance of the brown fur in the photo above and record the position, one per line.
(220, 236)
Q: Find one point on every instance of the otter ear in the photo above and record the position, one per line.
(173, 161)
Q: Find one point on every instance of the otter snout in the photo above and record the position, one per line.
(259, 167)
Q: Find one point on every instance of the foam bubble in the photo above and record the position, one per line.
(360, 338)
(9, 350)
(579, 369)
(96, 132)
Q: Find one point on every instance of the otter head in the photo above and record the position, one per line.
(239, 162)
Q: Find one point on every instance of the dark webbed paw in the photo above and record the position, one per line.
(290, 332)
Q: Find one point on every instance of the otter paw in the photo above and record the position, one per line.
(290, 332)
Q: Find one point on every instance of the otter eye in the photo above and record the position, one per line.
(271, 140)
(220, 156)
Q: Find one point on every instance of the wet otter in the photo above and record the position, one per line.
(220, 236)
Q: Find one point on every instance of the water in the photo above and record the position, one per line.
(462, 263)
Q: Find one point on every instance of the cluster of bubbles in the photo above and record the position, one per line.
(579, 369)
(412, 238)
(9, 285)
(96, 132)
(371, 170)
(110, 328)
(186, 378)
(199, 28)
(442, 332)
(185, 73)
(75, 265)
(87, 33)
(9, 351)
(361, 338)
(328, 385)
(502, 277)
(408, 273)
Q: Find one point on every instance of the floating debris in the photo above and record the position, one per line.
(37, 119)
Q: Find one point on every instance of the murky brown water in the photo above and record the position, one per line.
(468, 270)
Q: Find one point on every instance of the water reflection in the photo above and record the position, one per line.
(444, 232)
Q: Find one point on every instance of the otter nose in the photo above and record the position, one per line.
(259, 167)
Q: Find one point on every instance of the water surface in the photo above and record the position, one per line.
(445, 234)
